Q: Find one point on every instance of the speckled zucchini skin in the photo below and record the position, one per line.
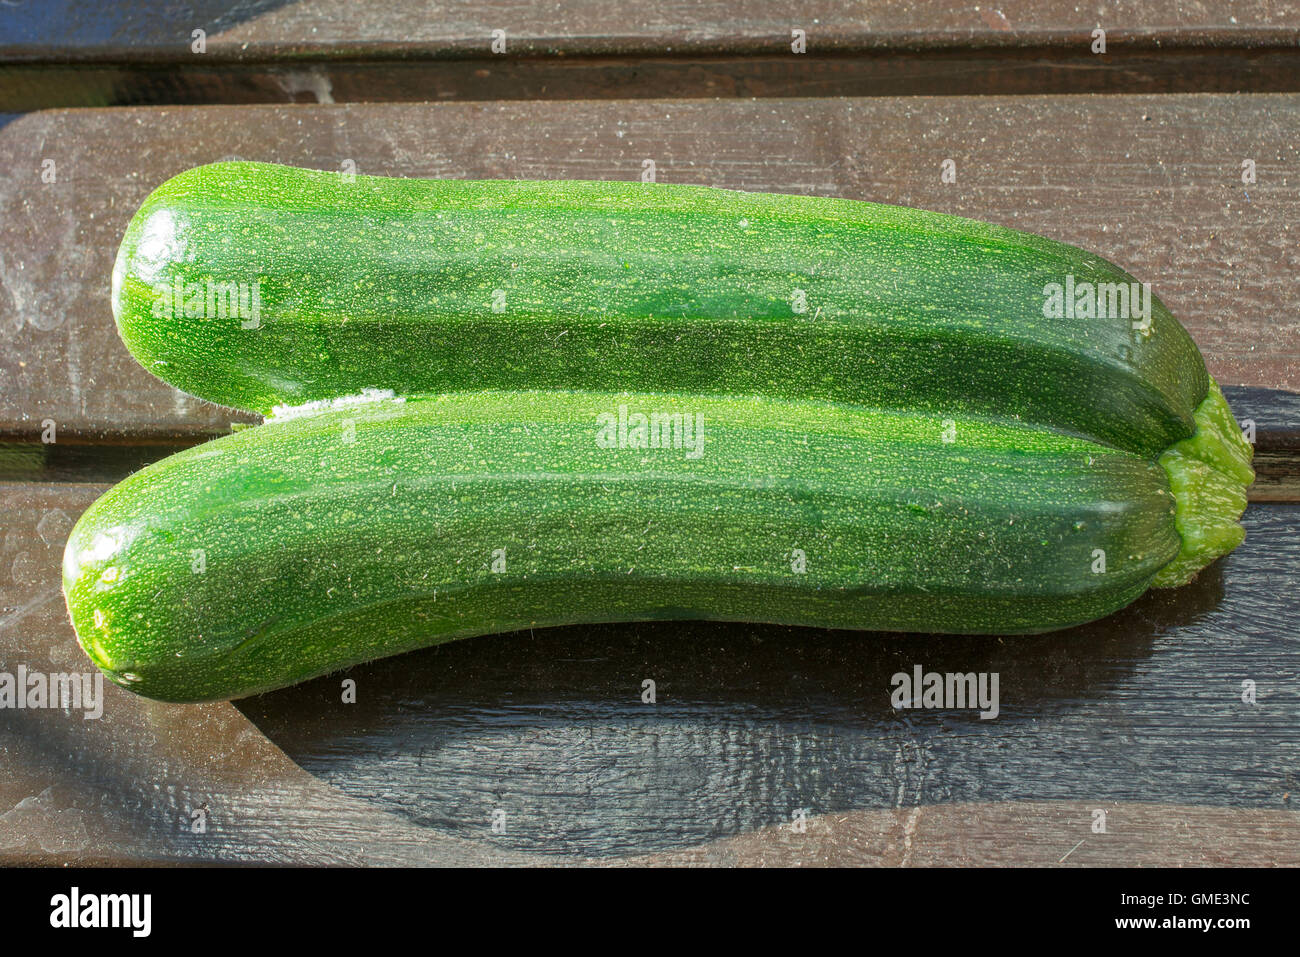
(298, 547)
(433, 286)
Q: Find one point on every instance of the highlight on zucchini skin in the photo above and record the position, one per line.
(299, 547)
(254, 285)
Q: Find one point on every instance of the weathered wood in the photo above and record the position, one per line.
(1063, 68)
(1276, 417)
(139, 29)
(1139, 716)
(38, 462)
(1013, 834)
(1153, 183)
(79, 54)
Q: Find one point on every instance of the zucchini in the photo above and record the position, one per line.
(310, 543)
(255, 286)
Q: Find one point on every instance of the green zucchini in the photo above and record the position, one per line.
(434, 286)
(311, 543)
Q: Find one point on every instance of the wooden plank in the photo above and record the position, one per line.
(134, 28)
(80, 54)
(1014, 834)
(1064, 67)
(1153, 183)
(1139, 716)
(1276, 415)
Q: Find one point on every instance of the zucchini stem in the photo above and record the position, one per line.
(1208, 474)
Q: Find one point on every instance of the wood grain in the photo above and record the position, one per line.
(70, 53)
(138, 28)
(1139, 715)
(1153, 183)
(1012, 834)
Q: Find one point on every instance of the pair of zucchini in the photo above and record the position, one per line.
(496, 405)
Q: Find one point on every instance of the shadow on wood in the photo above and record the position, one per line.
(752, 723)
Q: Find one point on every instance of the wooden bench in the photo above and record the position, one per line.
(1139, 716)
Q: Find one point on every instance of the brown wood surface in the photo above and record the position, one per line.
(137, 28)
(1150, 182)
(70, 53)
